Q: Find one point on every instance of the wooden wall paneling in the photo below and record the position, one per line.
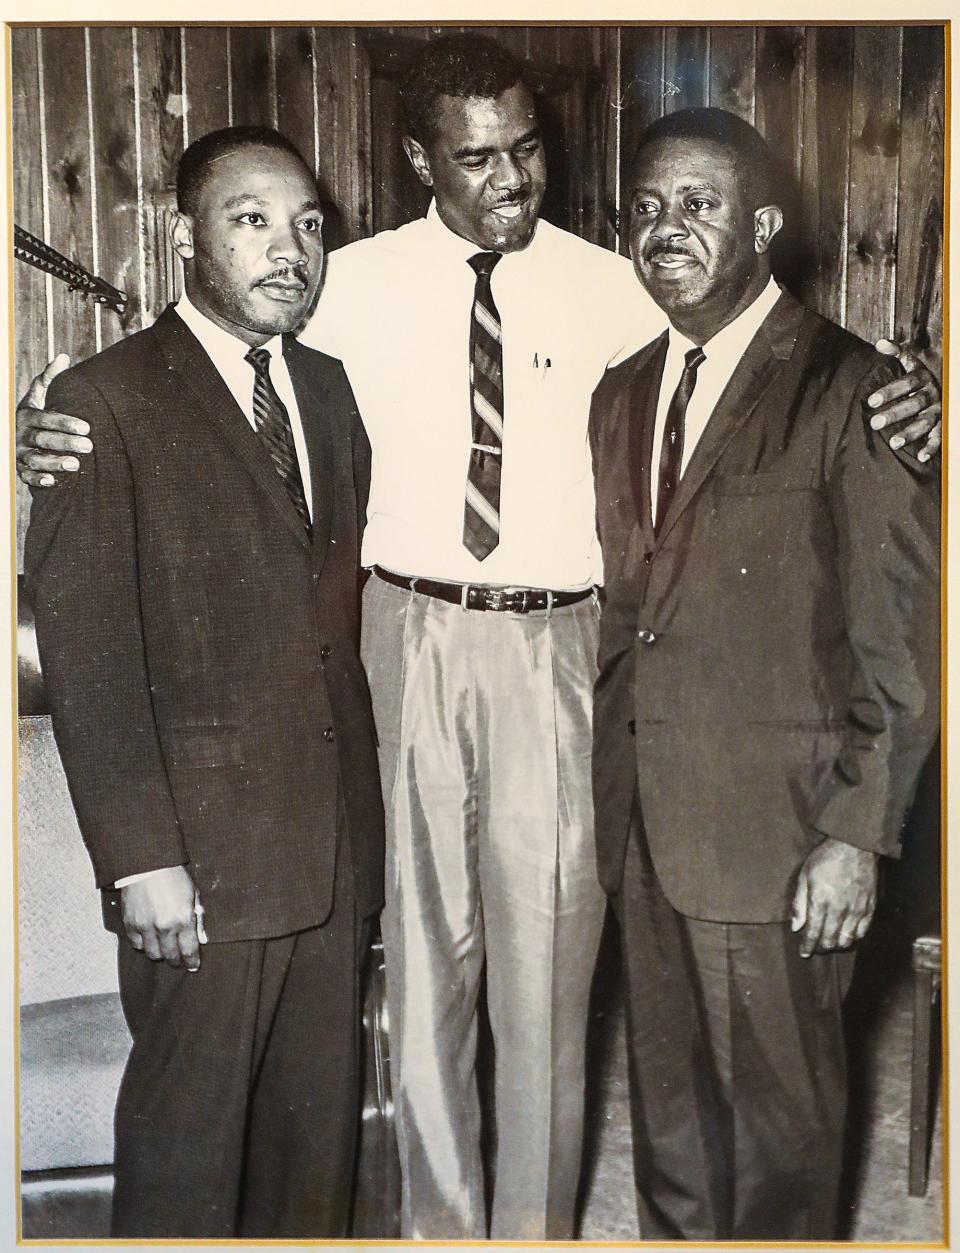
(64, 105)
(252, 76)
(30, 348)
(397, 196)
(608, 150)
(642, 89)
(874, 173)
(160, 95)
(732, 70)
(296, 102)
(584, 130)
(115, 154)
(343, 128)
(206, 73)
(825, 168)
(779, 89)
(685, 71)
(919, 311)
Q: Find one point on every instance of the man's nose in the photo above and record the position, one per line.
(286, 245)
(670, 223)
(508, 173)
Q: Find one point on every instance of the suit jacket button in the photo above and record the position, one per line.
(632, 726)
(646, 636)
(328, 734)
(325, 652)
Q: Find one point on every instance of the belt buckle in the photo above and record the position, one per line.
(495, 598)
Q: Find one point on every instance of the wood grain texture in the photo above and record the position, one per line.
(68, 181)
(779, 89)
(206, 78)
(874, 176)
(732, 74)
(919, 297)
(29, 285)
(115, 148)
(686, 77)
(254, 103)
(825, 169)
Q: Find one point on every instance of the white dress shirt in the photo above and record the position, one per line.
(723, 355)
(227, 354)
(396, 310)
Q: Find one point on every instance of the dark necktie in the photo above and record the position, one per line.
(276, 435)
(671, 450)
(481, 515)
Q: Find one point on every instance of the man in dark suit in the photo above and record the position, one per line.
(196, 597)
(767, 694)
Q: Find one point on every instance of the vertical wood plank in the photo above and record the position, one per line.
(732, 74)
(825, 167)
(343, 132)
(919, 296)
(161, 143)
(68, 178)
(610, 138)
(206, 74)
(642, 89)
(874, 171)
(685, 70)
(115, 146)
(29, 285)
(253, 102)
(779, 88)
(296, 105)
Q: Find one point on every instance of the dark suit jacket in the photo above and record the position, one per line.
(200, 652)
(768, 663)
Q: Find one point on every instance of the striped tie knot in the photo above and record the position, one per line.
(259, 358)
(482, 263)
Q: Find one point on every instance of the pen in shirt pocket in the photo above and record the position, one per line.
(541, 363)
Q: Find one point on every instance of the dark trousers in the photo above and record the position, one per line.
(737, 1071)
(239, 1106)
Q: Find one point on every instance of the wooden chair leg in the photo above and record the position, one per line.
(923, 996)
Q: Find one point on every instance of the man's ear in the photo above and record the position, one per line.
(181, 234)
(417, 156)
(766, 222)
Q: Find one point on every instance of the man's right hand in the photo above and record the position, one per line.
(159, 917)
(48, 442)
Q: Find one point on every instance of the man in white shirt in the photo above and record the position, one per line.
(196, 603)
(475, 389)
(767, 695)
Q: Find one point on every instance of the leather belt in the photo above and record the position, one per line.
(484, 597)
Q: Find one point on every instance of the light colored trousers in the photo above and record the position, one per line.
(485, 725)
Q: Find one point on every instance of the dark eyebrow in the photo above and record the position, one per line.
(467, 152)
(250, 198)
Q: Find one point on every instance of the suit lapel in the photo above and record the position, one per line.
(313, 401)
(644, 391)
(213, 401)
(763, 361)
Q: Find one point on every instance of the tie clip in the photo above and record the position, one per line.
(487, 448)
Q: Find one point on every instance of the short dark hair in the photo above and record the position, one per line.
(752, 153)
(197, 158)
(454, 65)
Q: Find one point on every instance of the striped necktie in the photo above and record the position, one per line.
(276, 435)
(671, 450)
(481, 516)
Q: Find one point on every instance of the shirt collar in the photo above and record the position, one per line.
(223, 349)
(731, 343)
(439, 235)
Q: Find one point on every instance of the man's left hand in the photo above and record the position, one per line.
(916, 396)
(835, 897)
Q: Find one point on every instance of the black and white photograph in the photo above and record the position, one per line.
(479, 631)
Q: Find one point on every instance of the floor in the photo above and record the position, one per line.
(875, 1205)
